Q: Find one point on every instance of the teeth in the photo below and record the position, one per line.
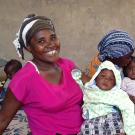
(52, 52)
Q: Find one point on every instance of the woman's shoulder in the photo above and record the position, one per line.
(25, 72)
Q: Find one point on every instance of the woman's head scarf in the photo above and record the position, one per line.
(115, 44)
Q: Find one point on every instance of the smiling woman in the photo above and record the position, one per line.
(46, 45)
(44, 86)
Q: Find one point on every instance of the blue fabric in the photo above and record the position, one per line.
(2, 94)
(115, 44)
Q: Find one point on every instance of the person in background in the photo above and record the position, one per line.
(116, 46)
(101, 95)
(12, 67)
(44, 87)
(128, 83)
(19, 123)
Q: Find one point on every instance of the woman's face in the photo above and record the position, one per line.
(44, 46)
(123, 60)
(105, 79)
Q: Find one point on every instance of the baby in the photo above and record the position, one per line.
(102, 100)
(128, 83)
(12, 67)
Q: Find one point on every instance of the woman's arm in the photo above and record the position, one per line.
(8, 110)
(85, 78)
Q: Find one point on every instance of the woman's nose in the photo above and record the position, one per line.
(50, 43)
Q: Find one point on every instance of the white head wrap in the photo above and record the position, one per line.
(24, 32)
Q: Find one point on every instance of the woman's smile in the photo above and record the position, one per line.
(52, 53)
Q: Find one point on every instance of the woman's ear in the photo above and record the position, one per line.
(28, 48)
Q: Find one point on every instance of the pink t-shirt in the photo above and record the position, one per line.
(50, 108)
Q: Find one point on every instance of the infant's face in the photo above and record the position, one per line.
(105, 79)
(131, 70)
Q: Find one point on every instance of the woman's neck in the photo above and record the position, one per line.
(44, 66)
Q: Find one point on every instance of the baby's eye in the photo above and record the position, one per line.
(111, 79)
(102, 76)
(129, 69)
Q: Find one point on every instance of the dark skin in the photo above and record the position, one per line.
(105, 80)
(85, 78)
(131, 75)
(44, 47)
(132, 98)
(9, 106)
(122, 62)
(41, 48)
(52, 72)
(8, 110)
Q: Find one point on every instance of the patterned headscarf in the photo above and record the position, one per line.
(115, 44)
(29, 27)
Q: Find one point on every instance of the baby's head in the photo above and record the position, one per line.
(12, 67)
(129, 70)
(105, 79)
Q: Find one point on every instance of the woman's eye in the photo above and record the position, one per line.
(53, 37)
(41, 41)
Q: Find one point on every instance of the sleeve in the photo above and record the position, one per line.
(18, 86)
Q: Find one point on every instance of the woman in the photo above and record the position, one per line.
(116, 46)
(44, 86)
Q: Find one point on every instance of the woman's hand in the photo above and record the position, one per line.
(8, 110)
(85, 78)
